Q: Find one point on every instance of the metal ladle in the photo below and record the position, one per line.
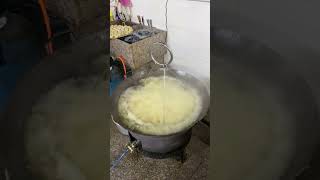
(163, 65)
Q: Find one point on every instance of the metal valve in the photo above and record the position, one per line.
(132, 145)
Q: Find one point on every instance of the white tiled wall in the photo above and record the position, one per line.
(189, 31)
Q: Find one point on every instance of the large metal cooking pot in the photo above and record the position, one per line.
(160, 143)
(266, 118)
(74, 61)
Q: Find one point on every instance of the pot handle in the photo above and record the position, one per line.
(157, 62)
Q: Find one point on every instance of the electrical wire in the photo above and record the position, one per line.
(123, 62)
(166, 16)
(42, 4)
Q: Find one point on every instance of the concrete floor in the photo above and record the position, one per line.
(136, 166)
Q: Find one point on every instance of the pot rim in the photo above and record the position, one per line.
(116, 118)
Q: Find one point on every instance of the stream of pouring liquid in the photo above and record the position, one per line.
(164, 95)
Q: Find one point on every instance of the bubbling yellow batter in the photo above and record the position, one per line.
(159, 107)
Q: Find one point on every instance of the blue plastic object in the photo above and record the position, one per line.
(116, 76)
(113, 85)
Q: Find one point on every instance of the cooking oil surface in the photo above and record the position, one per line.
(160, 105)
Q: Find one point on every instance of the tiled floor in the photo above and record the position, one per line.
(135, 166)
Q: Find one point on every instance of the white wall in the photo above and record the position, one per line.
(189, 31)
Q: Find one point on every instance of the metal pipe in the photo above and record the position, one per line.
(117, 161)
(130, 147)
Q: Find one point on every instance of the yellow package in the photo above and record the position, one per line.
(111, 16)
